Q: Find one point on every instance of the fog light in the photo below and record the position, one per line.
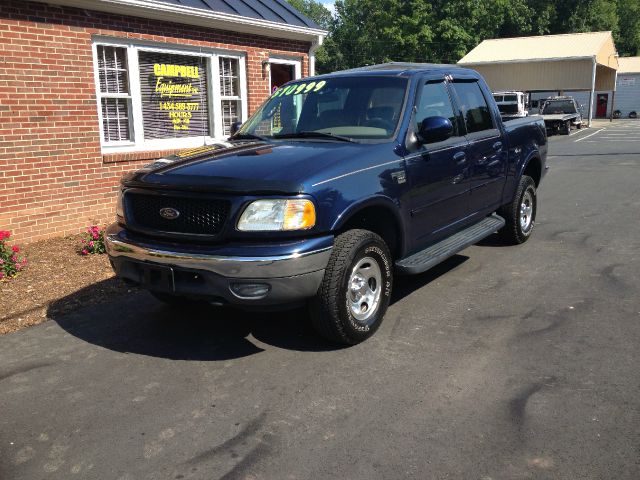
(250, 290)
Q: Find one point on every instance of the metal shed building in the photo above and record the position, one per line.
(628, 93)
(568, 62)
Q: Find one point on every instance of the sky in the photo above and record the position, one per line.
(330, 4)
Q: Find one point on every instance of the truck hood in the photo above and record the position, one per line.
(247, 167)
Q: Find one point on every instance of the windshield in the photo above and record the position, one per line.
(563, 106)
(352, 107)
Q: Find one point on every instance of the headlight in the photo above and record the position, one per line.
(271, 215)
(119, 204)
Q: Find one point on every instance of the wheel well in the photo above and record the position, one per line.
(534, 170)
(379, 220)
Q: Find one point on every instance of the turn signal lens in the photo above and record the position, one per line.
(299, 214)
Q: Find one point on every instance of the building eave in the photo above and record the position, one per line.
(156, 10)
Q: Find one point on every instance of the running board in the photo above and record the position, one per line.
(433, 255)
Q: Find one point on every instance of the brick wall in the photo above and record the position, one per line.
(54, 179)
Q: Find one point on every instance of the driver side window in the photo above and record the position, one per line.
(435, 102)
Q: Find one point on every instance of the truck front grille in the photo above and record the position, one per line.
(196, 216)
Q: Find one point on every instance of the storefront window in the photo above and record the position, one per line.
(174, 95)
(159, 98)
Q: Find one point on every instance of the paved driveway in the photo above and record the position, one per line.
(502, 363)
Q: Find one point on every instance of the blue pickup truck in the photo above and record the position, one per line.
(336, 184)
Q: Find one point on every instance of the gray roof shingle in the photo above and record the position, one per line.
(278, 11)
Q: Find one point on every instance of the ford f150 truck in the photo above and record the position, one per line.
(336, 184)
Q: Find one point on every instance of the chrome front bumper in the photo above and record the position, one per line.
(294, 272)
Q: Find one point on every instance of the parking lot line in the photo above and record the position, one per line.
(590, 135)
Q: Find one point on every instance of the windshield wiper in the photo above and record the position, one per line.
(315, 135)
(248, 136)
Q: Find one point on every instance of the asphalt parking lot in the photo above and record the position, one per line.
(502, 363)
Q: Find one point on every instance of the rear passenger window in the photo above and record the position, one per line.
(435, 102)
(477, 115)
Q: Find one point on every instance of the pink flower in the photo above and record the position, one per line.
(90, 244)
(1, 261)
(18, 266)
(14, 258)
(85, 251)
(1, 275)
(4, 234)
(15, 248)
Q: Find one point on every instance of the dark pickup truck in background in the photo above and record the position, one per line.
(334, 185)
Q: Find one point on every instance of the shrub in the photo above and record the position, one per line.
(10, 262)
(92, 241)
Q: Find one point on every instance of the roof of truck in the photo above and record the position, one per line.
(401, 69)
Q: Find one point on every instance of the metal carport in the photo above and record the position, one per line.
(577, 61)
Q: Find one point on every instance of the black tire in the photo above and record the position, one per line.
(170, 299)
(567, 128)
(579, 126)
(330, 310)
(515, 231)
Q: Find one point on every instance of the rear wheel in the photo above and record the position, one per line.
(355, 292)
(520, 214)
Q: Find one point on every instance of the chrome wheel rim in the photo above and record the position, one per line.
(526, 211)
(364, 289)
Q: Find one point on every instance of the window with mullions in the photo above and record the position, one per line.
(229, 92)
(114, 94)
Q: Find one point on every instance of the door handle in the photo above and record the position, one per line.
(460, 157)
(497, 146)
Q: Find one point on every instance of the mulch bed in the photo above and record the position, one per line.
(57, 280)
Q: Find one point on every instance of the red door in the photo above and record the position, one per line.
(601, 109)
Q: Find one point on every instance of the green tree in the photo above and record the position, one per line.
(315, 11)
(628, 34)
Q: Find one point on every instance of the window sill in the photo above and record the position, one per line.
(137, 156)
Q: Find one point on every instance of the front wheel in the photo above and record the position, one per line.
(520, 214)
(356, 288)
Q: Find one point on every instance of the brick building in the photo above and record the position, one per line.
(90, 89)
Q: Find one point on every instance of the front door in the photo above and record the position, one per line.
(487, 155)
(281, 73)
(438, 172)
(601, 108)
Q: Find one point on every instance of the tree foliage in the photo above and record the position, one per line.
(365, 32)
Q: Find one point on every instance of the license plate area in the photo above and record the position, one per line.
(156, 277)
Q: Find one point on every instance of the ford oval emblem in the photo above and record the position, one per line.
(169, 213)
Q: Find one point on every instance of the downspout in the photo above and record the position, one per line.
(593, 90)
(312, 54)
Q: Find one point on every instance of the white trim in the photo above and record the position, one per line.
(183, 14)
(284, 60)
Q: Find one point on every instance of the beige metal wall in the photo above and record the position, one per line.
(605, 78)
(544, 75)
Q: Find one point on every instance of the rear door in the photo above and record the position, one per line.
(438, 172)
(487, 155)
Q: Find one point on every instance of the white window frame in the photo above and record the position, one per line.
(136, 124)
(296, 62)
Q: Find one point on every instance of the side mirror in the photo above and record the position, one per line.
(435, 129)
(235, 126)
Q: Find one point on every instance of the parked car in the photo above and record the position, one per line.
(511, 104)
(336, 184)
(560, 114)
